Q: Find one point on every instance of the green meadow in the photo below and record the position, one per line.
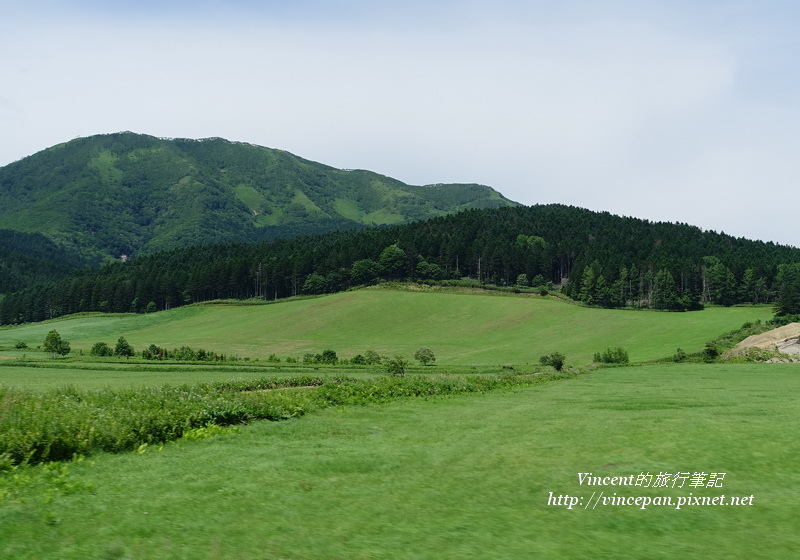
(462, 329)
(447, 477)
(476, 456)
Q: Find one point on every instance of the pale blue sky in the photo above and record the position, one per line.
(683, 111)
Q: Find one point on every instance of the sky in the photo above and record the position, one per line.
(666, 110)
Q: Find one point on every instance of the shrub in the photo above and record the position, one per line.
(556, 360)
(101, 349)
(154, 352)
(123, 348)
(358, 360)
(396, 366)
(679, 356)
(328, 357)
(612, 356)
(710, 352)
(21, 346)
(309, 358)
(372, 357)
(760, 354)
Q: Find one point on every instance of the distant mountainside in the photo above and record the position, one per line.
(26, 258)
(130, 194)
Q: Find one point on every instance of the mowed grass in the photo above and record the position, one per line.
(37, 376)
(104, 375)
(456, 477)
(465, 329)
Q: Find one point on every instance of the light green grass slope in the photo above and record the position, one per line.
(461, 329)
(466, 477)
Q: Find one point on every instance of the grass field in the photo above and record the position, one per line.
(464, 476)
(42, 374)
(461, 329)
(448, 477)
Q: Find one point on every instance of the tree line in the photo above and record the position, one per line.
(597, 258)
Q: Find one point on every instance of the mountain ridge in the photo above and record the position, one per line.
(124, 193)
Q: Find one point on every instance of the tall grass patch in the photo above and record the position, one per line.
(59, 424)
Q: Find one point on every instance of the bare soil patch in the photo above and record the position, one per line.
(785, 339)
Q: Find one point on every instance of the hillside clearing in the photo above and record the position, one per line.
(461, 329)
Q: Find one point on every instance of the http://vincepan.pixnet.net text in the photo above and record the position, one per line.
(681, 490)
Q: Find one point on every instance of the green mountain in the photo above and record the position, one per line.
(129, 194)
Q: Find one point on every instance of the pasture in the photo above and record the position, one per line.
(446, 477)
(493, 474)
(462, 329)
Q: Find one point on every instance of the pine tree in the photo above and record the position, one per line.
(788, 290)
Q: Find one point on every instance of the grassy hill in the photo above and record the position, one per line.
(461, 329)
(431, 477)
(128, 194)
(467, 477)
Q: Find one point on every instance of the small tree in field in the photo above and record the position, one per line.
(123, 348)
(425, 356)
(101, 349)
(55, 345)
(397, 366)
(372, 357)
(328, 357)
(556, 360)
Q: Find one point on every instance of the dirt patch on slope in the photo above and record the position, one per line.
(785, 339)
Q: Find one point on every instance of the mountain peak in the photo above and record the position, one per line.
(129, 193)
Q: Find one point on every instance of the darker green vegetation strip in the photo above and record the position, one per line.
(61, 424)
(601, 260)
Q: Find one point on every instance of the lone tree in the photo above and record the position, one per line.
(425, 356)
(55, 345)
(123, 348)
(397, 366)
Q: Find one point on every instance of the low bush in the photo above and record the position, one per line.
(185, 354)
(101, 349)
(612, 356)
(555, 360)
(61, 424)
(396, 366)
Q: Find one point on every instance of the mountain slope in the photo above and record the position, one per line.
(128, 194)
(26, 258)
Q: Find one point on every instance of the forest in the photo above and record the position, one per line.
(593, 257)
